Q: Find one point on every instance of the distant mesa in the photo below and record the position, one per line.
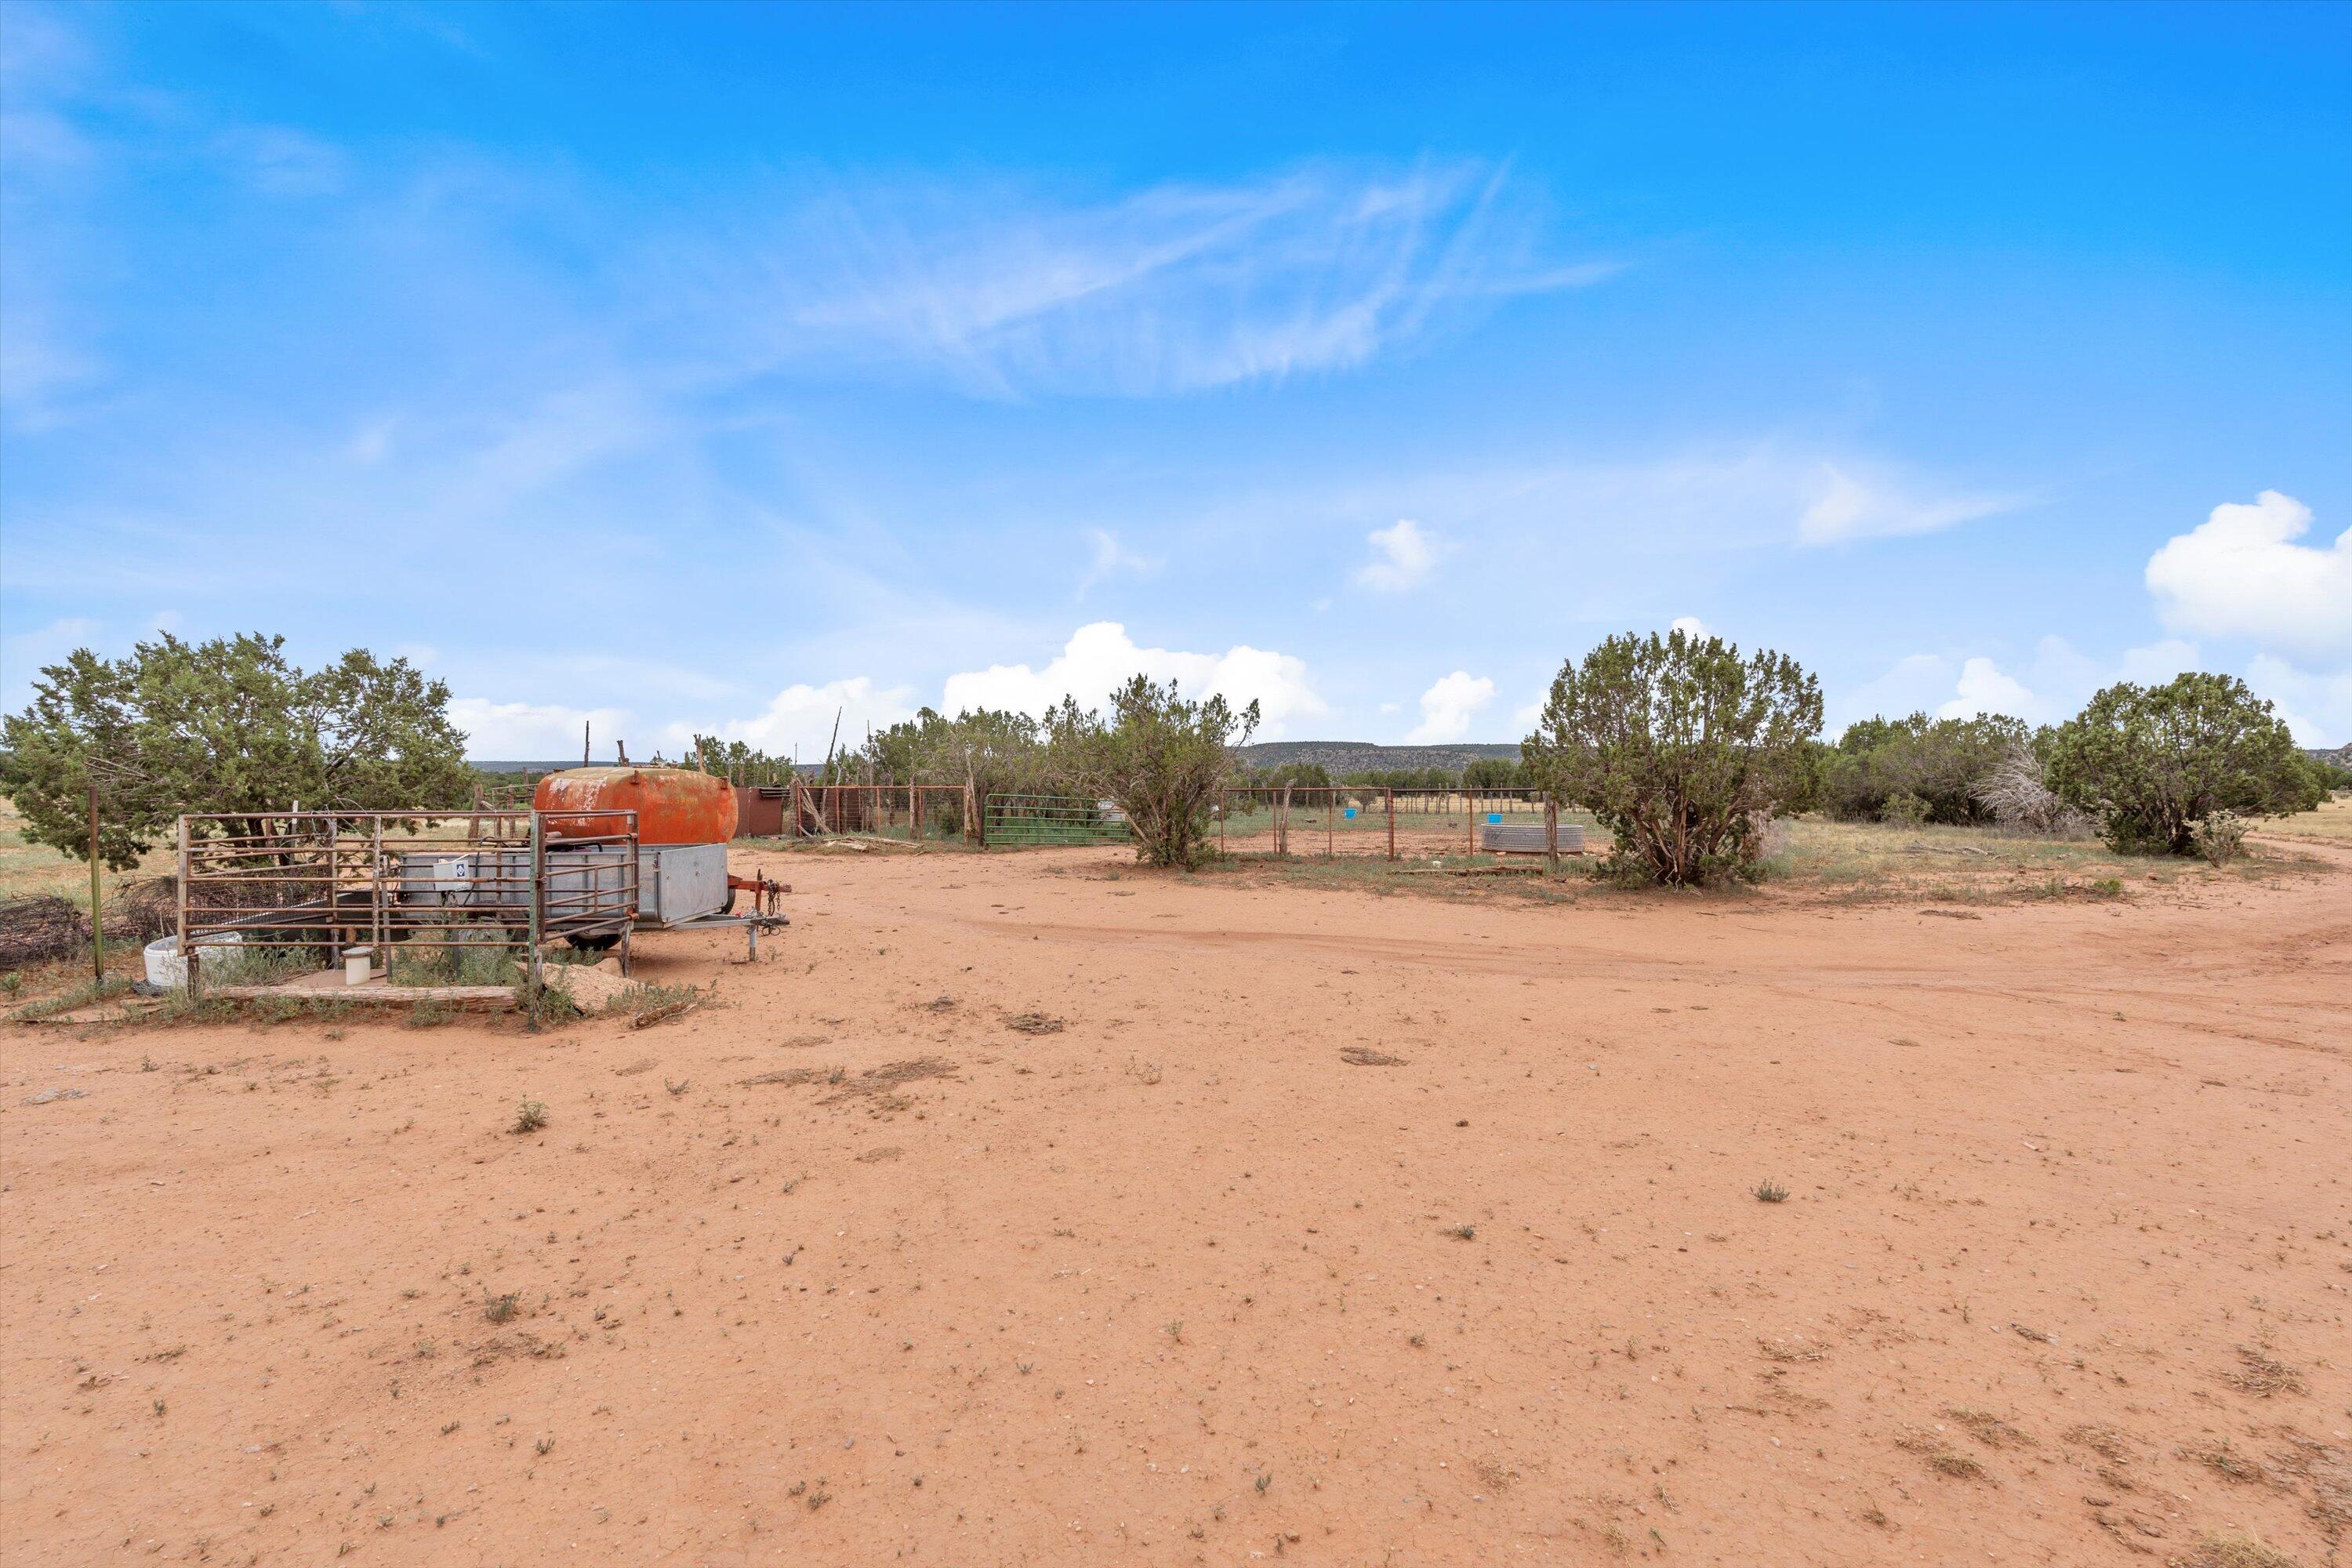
(1337, 757)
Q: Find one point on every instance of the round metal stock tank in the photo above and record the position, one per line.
(673, 806)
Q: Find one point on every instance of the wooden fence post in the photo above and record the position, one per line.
(1390, 793)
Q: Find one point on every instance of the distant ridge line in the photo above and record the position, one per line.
(1355, 756)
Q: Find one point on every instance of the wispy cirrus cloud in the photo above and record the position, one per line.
(1003, 291)
(1851, 502)
(1111, 559)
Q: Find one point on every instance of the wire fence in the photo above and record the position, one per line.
(1396, 824)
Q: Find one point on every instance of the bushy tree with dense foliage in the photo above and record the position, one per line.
(230, 725)
(1917, 769)
(1160, 756)
(1679, 745)
(2154, 763)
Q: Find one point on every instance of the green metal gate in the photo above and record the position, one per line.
(1020, 820)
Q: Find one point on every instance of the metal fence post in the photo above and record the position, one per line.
(1390, 793)
(378, 931)
(538, 914)
(188, 954)
(334, 898)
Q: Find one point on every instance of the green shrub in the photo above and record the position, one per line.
(1942, 763)
(467, 958)
(1159, 756)
(1904, 808)
(1680, 747)
(2152, 762)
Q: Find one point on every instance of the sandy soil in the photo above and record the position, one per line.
(848, 1269)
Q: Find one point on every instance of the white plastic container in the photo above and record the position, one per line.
(166, 968)
(358, 963)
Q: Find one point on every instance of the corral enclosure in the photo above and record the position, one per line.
(1021, 1207)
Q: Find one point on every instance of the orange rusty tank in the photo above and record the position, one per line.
(673, 806)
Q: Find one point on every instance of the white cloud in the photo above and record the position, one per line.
(1100, 657)
(1913, 684)
(1448, 706)
(1689, 626)
(2317, 708)
(2051, 685)
(1111, 559)
(537, 732)
(2150, 666)
(2240, 573)
(1985, 689)
(800, 718)
(1404, 556)
(1864, 505)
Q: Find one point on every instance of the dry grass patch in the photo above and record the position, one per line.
(2105, 1441)
(1863, 862)
(1790, 1350)
(1986, 1427)
(2238, 1552)
(877, 1084)
(1943, 1459)
(2219, 1457)
(2262, 1374)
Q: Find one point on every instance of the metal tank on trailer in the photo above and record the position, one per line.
(685, 821)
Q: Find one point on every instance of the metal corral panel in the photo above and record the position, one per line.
(471, 880)
(580, 883)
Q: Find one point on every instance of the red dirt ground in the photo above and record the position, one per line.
(2062, 1276)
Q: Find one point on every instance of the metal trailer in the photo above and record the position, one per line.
(686, 887)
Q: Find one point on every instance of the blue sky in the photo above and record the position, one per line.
(706, 368)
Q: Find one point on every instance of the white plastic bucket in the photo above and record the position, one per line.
(359, 963)
(167, 969)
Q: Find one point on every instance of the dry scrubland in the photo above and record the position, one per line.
(1025, 1209)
